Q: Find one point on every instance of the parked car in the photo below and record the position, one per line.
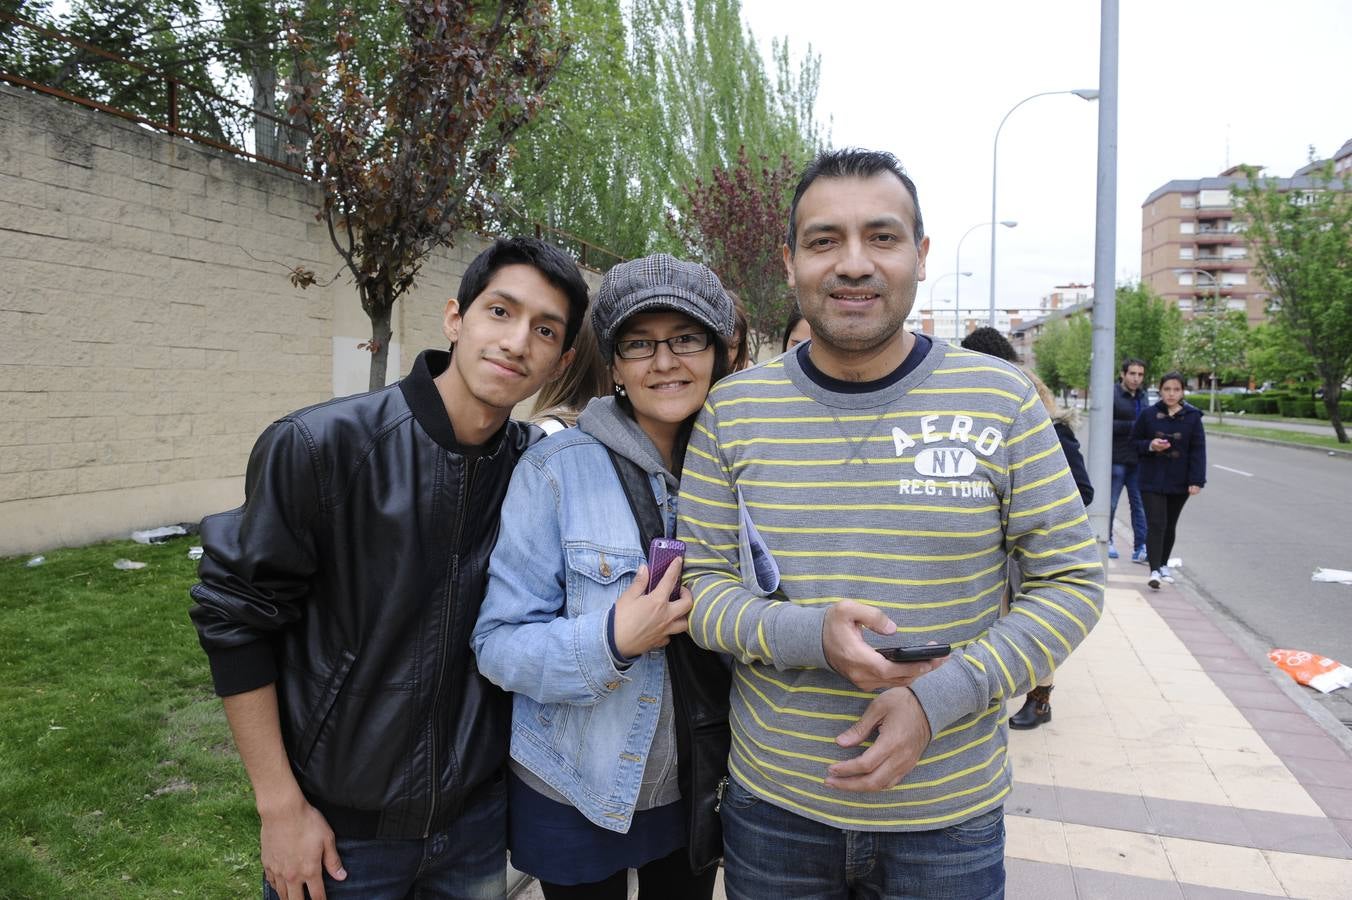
(1152, 395)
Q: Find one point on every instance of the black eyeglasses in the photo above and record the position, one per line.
(681, 345)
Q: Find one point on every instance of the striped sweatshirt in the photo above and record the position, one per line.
(910, 499)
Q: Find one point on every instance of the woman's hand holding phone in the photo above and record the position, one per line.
(646, 620)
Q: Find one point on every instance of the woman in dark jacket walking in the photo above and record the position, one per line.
(1172, 444)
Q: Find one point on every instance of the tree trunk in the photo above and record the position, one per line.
(380, 344)
(263, 80)
(1332, 394)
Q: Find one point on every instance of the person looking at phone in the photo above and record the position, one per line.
(335, 604)
(571, 623)
(889, 476)
(1172, 444)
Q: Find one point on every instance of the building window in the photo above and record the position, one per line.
(1234, 253)
(1214, 198)
(1232, 279)
(1188, 201)
(1186, 253)
(1233, 303)
(1185, 304)
(1185, 279)
(1187, 227)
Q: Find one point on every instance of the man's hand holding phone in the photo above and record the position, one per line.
(648, 614)
(849, 654)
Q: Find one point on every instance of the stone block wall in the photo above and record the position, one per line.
(148, 329)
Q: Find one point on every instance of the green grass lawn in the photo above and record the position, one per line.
(118, 777)
(1285, 437)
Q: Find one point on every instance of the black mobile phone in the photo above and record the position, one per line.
(915, 654)
(662, 552)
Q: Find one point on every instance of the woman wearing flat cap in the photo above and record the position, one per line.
(604, 775)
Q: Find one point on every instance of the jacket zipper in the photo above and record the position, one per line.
(465, 491)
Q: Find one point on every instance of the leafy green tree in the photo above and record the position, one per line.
(1074, 353)
(1047, 355)
(1275, 356)
(1214, 342)
(1148, 328)
(407, 163)
(1302, 242)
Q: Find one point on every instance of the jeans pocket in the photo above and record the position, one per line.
(737, 797)
(987, 828)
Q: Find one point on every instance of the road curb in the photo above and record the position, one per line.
(1343, 454)
(1223, 619)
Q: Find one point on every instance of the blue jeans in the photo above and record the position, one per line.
(1127, 476)
(773, 854)
(467, 860)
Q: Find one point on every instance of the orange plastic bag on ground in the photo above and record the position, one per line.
(1319, 672)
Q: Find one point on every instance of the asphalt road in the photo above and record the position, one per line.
(1249, 542)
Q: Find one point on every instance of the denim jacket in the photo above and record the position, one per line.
(568, 547)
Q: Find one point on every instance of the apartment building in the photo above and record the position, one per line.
(1193, 244)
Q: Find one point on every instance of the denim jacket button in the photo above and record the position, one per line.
(612, 685)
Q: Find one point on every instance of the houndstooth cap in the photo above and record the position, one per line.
(660, 281)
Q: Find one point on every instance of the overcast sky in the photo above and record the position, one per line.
(1202, 85)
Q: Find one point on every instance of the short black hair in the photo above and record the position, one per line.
(852, 162)
(1173, 376)
(992, 343)
(557, 267)
(1130, 361)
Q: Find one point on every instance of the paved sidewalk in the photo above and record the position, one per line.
(1174, 767)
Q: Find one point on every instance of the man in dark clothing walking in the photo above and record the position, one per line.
(335, 605)
(1128, 401)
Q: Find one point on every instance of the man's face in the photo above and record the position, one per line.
(856, 263)
(509, 341)
(1133, 377)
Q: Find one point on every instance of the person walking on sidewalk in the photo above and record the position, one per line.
(1128, 400)
(868, 488)
(1172, 443)
(603, 714)
(335, 605)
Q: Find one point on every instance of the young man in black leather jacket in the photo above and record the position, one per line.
(336, 604)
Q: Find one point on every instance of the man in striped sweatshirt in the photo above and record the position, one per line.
(867, 489)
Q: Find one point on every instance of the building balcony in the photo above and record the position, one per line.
(1219, 236)
(1215, 212)
(1219, 262)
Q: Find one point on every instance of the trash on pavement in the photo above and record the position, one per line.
(35, 562)
(126, 565)
(194, 553)
(158, 535)
(1337, 576)
(1175, 562)
(1319, 672)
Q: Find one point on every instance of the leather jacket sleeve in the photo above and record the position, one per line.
(257, 561)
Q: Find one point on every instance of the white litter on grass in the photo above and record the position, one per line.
(194, 553)
(1336, 576)
(126, 565)
(158, 535)
(35, 562)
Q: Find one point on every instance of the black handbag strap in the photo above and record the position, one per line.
(638, 491)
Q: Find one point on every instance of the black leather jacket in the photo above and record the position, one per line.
(352, 577)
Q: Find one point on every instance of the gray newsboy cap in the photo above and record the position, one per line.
(660, 281)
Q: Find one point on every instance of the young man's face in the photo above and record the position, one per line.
(509, 341)
(1133, 377)
(856, 263)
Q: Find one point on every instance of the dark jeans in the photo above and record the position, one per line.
(668, 878)
(465, 861)
(773, 854)
(1161, 513)
(1126, 476)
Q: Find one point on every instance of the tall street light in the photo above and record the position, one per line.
(955, 302)
(1008, 223)
(1083, 94)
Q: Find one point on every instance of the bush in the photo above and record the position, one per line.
(1344, 411)
(1261, 404)
(1297, 409)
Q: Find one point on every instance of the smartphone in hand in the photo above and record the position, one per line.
(915, 654)
(662, 552)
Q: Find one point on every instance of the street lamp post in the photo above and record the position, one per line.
(935, 284)
(1083, 94)
(957, 300)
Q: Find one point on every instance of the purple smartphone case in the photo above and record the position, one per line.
(662, 552)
